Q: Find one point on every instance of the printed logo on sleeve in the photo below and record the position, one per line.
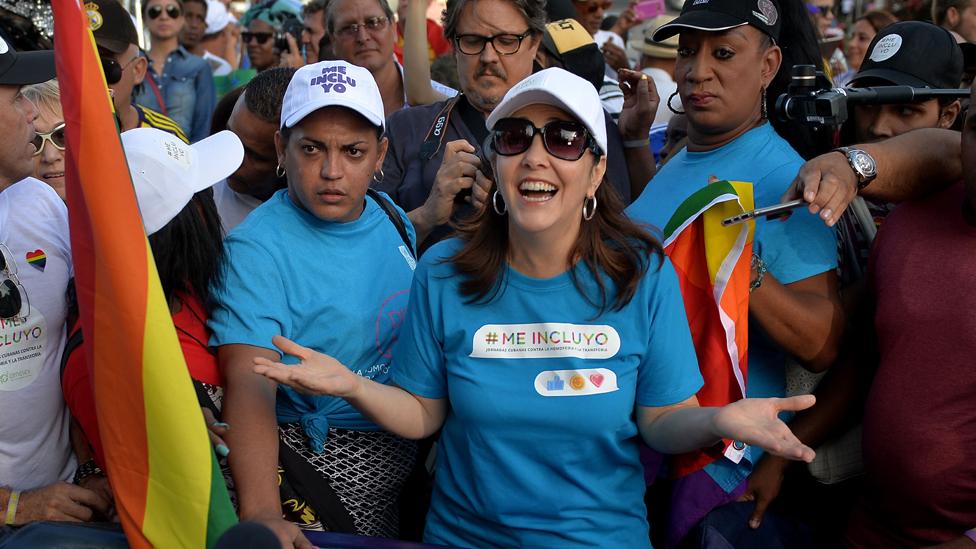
(561, 383)
(545, 340)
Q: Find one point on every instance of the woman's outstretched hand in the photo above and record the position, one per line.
(755, 421)
(316, 374)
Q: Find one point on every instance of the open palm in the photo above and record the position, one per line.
(755, 421)
(317, 373)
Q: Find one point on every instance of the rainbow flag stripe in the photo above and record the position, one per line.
(169, 491)
(713, 266)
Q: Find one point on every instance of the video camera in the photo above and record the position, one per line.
(810, 100)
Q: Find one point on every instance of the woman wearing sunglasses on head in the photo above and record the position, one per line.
(261, 23)
(48, 134)
(731, 55)
(178, 83)
(546, 340)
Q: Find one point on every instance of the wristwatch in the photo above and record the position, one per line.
(862, 163)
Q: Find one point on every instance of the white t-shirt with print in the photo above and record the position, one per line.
(34, 446)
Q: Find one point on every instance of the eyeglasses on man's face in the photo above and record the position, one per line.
(371, 24)
(504, 44)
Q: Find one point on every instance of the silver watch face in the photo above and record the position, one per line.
(864, 163)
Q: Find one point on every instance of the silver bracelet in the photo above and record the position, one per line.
(760, 266)
(637, 143)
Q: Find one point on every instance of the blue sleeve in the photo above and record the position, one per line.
(250, 306)
(418, 358)
(669, 373)
(798, 248)
(206, 100)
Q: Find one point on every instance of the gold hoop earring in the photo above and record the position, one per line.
(279, 171)
(589, 215)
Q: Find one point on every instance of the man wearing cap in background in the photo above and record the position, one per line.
(35, 265)
(657, 61)
(220, 42)
(496, 43)
(124, 66)
(909, 53)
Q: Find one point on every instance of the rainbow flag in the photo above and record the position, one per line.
(713, 266)
(169, 491)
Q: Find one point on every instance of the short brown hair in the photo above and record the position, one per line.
(940, 8)
(534, 12)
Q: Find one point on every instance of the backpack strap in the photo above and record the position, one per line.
(394, 216)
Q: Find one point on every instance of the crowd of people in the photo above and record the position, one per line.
(407, 317)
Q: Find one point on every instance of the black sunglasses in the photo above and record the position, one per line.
(113, 69)
(13, 296)
(563, 139)
(55, 136)
(261, 37)
(172, 11)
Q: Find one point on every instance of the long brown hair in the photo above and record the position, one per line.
(609, 244)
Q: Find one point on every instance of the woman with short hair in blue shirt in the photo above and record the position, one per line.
(544, 340)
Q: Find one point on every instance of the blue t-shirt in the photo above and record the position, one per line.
(539, 447)
(795, 249)
(338, 288)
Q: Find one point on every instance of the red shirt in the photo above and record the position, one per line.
(920, 416)
(191, 329)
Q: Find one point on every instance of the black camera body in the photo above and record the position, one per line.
(292, 26)
(811, 101)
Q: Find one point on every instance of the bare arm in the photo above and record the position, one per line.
(416, 60)
(393, 408)
(911, 165)
(805, 317)
(249, 405)
(685, 426)
(640, 105)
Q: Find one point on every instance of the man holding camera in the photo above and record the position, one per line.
(915, 164)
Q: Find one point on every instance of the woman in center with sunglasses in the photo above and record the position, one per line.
(544, 340)
(178, 83)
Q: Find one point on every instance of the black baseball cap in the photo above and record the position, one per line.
(720, 15)
(111, 25)
(22, 68)
(912, 53)
(569, 42)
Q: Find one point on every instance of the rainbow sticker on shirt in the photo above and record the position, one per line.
(37, 259)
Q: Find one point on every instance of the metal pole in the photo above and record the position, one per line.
(136, 7)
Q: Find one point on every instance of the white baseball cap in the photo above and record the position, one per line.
(166, 172)
(217, 16)
(332, 83)
(561, 89)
